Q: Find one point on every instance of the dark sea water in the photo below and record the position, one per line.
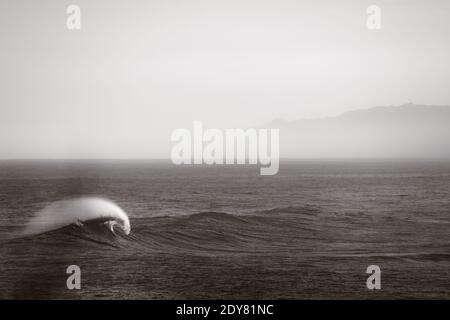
(227, 232)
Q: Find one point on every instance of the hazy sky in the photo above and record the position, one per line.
(139, 69)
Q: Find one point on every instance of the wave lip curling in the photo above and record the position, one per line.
(77, 211)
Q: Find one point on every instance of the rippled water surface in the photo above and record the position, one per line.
(227, 232)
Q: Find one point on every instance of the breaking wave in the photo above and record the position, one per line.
(79, 212)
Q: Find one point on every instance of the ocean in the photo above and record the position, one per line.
(225, 232)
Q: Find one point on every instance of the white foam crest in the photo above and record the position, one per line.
(65, 212)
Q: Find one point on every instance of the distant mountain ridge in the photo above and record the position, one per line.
(406, 131)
